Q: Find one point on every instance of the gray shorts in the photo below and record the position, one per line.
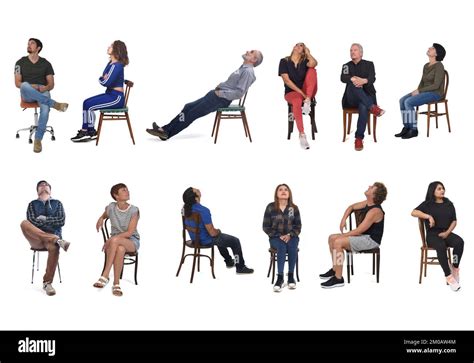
(362, 243)
(136, 242)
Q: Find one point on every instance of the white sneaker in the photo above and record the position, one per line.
(453, 284)
(455, 275)
(306, 106)
(49, 289)
(303, 142)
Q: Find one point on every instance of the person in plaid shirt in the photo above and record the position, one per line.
(282, 224)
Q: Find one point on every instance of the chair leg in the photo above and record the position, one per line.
(368, 125)
(59, 273)
(218, 120)
(129, 127)
(212, 262)
(344, 125)
(426, 261)
(378, 266)
(121, 272)
(136, 269)
(215, 123)
(297, 268)
(199, 260)
(421, 266)
(436, 114)
(270, 267)
(33, 267)
(375, 128)
(181, 261)
(194, 265)
(428, 115)
(291, 121)
(350, 124)
(244, 117)
(99, 129)
(243, 123)
(447, 115)
(373, 263)
(273, 267)
(348, 267)
(352, 263)
(313, 122)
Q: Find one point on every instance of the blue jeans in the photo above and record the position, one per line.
(223, 241)
(29, 94)
(357, 97)
(290, 248)
(408, 104)
(194, 110)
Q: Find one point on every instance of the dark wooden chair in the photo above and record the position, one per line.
(273, 260)
(425, 258)
(117, 114)
(232, 112)
(130, 258)
(359, 216)
(32, 129)
(196, 246)
(36, 256)
(347, 122)
(291, 119)
(435, 113)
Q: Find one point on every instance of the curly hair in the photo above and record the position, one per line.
(119, 50)
(380, 193)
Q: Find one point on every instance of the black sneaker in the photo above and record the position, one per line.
(93, 134)
(279, 284)
(291, 281)
(157, 131)
(229, 263)
(244, 270)
(328, 274)
(82, 135)
(333, 282)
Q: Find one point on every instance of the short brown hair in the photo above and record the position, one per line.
(380, 193)
(114, 190)
(119, 50)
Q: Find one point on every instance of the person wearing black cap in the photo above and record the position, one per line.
(45, 218)
(209, 235)
(430, 89)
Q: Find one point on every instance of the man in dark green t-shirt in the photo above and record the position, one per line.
(34, 76)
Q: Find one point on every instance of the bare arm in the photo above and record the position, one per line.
(101, 219)
(312, 62)
(373, 216)
(419, 214)
(132, 226)
(50, 84)
(213, 232)
(348, 212)
(18, 80)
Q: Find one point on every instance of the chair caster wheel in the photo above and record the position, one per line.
(17, 136)
(53, 138)
(30, 141)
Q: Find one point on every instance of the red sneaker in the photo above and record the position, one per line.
(377, 111)
(359, 144)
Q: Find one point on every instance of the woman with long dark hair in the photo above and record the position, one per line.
(113, 79)
(282, 224)
(440, 220)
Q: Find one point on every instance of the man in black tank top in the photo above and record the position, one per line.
(368, 234)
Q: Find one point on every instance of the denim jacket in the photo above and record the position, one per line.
(52, 209)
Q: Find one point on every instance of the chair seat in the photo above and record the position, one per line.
(24, 104)
(114, 110)
(39, 249)
(373, 250)
(273, 250)
(190, 243)
(351, 110)
(131, 254)
(231, 108)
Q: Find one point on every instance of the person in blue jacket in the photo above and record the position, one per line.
(113, 79)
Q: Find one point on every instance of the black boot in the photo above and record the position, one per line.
(279, 284)
(403, 132)
(410, 133)
(291, 281)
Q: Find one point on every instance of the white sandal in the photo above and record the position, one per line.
(116, 290)
(101, 282)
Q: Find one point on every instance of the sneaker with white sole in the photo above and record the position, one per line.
(333, 282)
(303, 142)
(328, 275)
(50, 291)
(306, 107)
(454, 272)
(291, 281)
(453, 284)
(279, 283)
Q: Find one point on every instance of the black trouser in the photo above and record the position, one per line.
(223, 241)
(441, 246)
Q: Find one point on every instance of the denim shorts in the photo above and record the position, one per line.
(362, 243)
(136, 242)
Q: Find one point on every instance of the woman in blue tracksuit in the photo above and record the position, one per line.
(113, 79)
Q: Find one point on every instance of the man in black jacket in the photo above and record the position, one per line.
(359, 77)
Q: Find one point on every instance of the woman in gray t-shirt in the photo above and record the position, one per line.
(124, 235)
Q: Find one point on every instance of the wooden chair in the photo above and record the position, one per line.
(117, 114)
(430, 113)
(130, 258)
(273, 260)
(359, 217)
(347, 121)
(36, 256)
(291, 119)
(32, 129)
(425, 259)
(232, 112)
(195, 245)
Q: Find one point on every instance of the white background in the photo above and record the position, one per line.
(178, 51)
